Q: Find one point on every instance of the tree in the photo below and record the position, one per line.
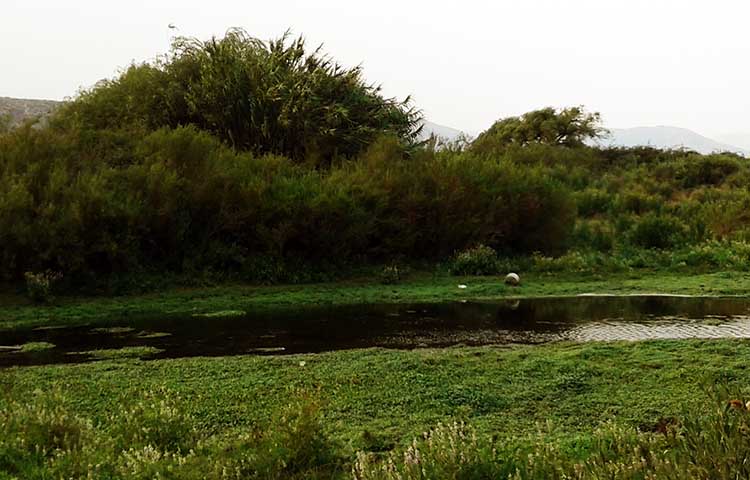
(264, 97)
(569, 127)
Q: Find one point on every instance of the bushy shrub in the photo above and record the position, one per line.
(725, 255)
(447, 451)
(594, 235)
(569, 127)
(592, 202)
(39, 286)
(479, 260)
(638, 202)
(699, 446)
(185, 203)
(658, 231)
(390, 274)
(264, 97)
(570, 262)
(38, 430)
(294, 447)
(154, 419)
(707, 169)
(152, 437)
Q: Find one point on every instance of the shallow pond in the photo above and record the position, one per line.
(317, 329)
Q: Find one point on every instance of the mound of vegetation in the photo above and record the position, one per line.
(254, 159)
(267, 163)
(263, 97)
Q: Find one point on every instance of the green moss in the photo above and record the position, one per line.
(125, 352)
(36, 346)
(221, 313)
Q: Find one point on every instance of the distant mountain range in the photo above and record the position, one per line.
(446, 134)
(20, 109)
(741, 139)
(658, 137)
(667, 137)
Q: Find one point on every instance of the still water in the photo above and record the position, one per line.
(318, 329)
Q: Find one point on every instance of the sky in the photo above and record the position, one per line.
(465, 63)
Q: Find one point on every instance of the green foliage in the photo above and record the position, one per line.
(38, 430)
(263, 97)
(709, 446)
(593, 202)
(478, 260)
(733, 255)
(658, 231)
(390, 274)
(239, 160)
(594, 235)
(637, 202)
(447, 451)
(183, 202)
(708, 169)
(39, 285)
(295, 447)
(568, 127)
(250, 423)
(154, 420)
(155, 439)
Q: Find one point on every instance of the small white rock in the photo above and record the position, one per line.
(512, 279)
(462, 286)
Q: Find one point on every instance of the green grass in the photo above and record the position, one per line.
(236, 409)
(17, 312)
(395, 395)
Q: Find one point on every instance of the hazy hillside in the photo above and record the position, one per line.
(447, 134)
(667, 137)
(20, 109)
(741, 139)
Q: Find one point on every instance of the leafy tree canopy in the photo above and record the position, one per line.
(264, 97)
(568, 127)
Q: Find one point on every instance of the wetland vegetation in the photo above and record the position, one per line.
(233, 178)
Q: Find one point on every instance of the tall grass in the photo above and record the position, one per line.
(713, 444)
(151, 438)
(43, 437)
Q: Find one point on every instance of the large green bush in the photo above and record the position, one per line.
(180, 200)
(239, 159)
(263, 97)
(658, 231)
(478, 260)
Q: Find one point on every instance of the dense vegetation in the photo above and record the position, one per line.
(617, 410)
(265, 163)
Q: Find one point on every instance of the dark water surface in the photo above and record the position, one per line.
(317, 329)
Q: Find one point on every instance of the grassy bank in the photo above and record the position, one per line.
(376, 400)
(16, 311)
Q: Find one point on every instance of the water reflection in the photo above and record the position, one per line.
(394, 326)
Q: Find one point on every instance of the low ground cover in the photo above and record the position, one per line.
(369, 401)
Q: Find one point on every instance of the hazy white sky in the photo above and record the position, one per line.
(466, 63)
